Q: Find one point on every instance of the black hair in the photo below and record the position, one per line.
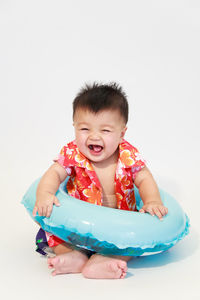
(98, 97)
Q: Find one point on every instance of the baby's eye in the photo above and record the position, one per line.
(106, 130)
(84, 128)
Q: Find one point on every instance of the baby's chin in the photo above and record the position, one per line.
(104, 160)
(95, 158)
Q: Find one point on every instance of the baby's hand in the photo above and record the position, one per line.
(154, 208)
(44, 204)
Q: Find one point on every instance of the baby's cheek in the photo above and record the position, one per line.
(113, 144)
(79, 141)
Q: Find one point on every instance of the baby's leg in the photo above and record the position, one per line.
(104, 267)
(67, 260)
(61, 249)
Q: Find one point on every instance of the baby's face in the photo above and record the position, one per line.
(99, 135)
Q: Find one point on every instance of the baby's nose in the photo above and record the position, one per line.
(94, 136)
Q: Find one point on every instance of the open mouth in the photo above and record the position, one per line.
(95, 148)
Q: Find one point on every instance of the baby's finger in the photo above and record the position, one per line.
(49, 210)
(40, 211)
(158, 213)
(56, 202)
(35, 209)
(142, 210)
(150, 211)
(163, 210)
(44, 211)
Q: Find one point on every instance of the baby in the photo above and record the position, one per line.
(103, 169)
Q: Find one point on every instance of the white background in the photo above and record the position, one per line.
(48, 50)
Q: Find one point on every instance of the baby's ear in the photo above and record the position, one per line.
(123, 132)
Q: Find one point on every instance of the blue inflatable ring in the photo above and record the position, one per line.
(111, 231)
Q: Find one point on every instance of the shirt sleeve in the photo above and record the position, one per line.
(61, 159)
(139, 162)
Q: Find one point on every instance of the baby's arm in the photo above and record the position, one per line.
(149, 193)
(47, 187)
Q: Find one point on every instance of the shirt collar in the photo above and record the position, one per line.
(126, 157)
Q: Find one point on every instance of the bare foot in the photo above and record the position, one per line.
(102, 267)
(71, 262)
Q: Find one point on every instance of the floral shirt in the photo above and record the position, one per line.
(84, 183)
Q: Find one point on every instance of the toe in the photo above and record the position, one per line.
(53, 263)
(123, 275)
(49, 261)
(50, 266)
(55, 260)
(54, 273)
(117, 269)
(122, 265)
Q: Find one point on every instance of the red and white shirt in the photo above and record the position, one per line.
(84, 183)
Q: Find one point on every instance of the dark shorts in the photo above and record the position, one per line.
(43, 248)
